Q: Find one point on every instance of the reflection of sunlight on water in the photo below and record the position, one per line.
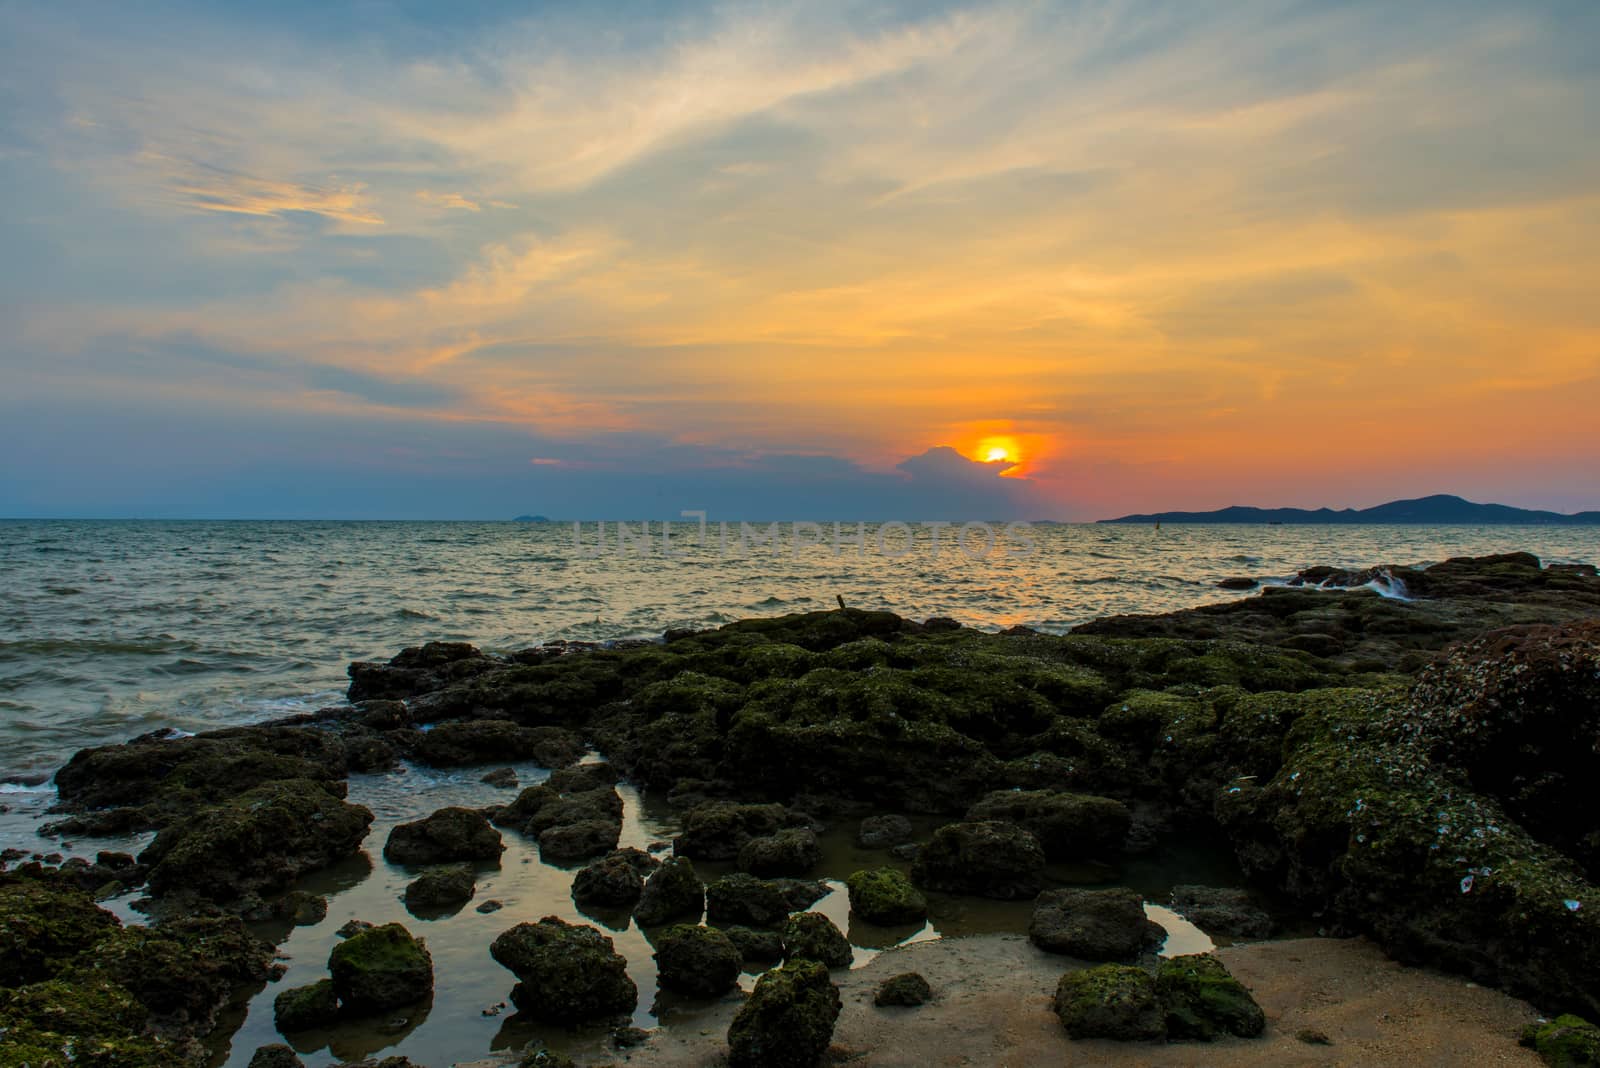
(1183, 937)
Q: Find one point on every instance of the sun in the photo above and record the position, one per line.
(997, 449)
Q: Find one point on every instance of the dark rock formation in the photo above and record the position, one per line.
(1068, 826)
(442, 887)
(447, 836)
(886, 897)
(990, 859)
(1100, 925)
(382, 968)
(881, 832)
(673, 892)
(610, 882)
(1227, 912)
(303, 1008)
(1203, 1001)
(908, 989)
(1110, 1001)
(812, 936)
(717, 831)
(787, 1022)
(793, 851)
(567, 974)
(699, 961)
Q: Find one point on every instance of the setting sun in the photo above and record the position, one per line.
(996, 453)
(996, 449)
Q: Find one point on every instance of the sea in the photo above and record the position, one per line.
(113, 629)
(110, 629)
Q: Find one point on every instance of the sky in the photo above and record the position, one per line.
(799, 261)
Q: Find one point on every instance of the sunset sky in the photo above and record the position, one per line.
(802, 261)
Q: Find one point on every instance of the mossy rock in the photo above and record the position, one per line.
(442, 887)
(718, 830)
(568, 973)
(793, 851)
(182, 970)
(885, 896)
(449, 835)
(788, 1019)
(1565, 1042)
(257, 842)
(612, 881)
(1114, 1001)
(755, 944)
(989, 859)
(43, 924)
(907, 990)
(1203, 1001)
(1068, 826)
(92, 1024)
(673, 892)
(699, 961)
(304, 1008)
(812, 936)
(381, 968)
(1098, 925)
(742, 899)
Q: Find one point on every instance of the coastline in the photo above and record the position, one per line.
(1314, 731)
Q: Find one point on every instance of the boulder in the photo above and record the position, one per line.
(1565, 1042)
(885, 896)
(304, 1008)
(1203, 1001)
(909, 989)
(484, 741)
(184, 970)
(1110, 1001)
(719, 829)
(610, 882)
(743, 899)
(275, 1056)
(442, 887)
(380, 969)
(812, 936)
(579, 841)
(699, 961)
(1227, 912)
(449, 835)
(1068, 826)
(988, 859)
(504, 778)
(1100, 925)
(43, 924)
(787, 1022)
(793, 851)
(755, 944)
(566, 973)
(672, 892)
(881, 832)
(258, 842)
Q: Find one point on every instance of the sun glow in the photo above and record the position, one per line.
(995, 450)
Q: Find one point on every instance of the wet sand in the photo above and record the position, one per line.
(992, 1009)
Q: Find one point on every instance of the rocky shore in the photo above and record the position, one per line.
(1407, 760)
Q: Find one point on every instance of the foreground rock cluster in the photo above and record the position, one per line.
(1417, 770)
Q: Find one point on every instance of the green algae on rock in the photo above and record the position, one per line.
(812, 936)
(449, 835)
(303, 1008)
(567, 973)
(700, 961)
(43, 925)
(1115, 1001)
(792, 851)
(1068, 826)
(1203, 1001)
(906, 990)
(787, 1022)
(441, 887)
(885, 896)
(1565, 1042)
(672, 892)
(1098, 925)
(381, 968)
(989, 859)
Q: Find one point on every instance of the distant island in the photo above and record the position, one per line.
(1440, 508)
(532, 519)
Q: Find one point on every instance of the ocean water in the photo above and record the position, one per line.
(109, 629)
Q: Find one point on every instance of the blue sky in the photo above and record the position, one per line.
(799, 261)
